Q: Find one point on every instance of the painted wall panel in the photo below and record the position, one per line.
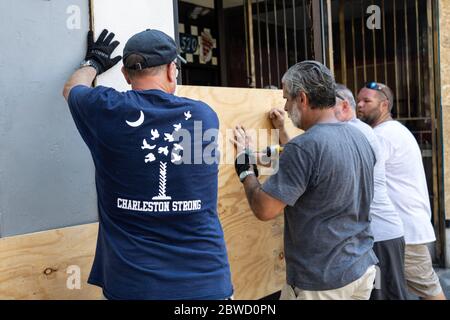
(46, 174)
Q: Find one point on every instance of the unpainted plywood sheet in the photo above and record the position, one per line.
(34, 266)
(255, 248)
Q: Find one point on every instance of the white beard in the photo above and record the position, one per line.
(295, 116)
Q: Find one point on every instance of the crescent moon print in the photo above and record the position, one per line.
(137, 123)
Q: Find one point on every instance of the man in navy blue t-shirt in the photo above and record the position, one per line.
(159, 232)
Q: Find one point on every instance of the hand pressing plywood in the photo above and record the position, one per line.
(255, 248)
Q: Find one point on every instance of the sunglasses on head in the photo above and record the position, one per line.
(339, 96)
(375, 86)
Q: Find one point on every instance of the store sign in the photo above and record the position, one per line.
(188, 43)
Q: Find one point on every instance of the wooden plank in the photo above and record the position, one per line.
(255, 248)
(34, 266)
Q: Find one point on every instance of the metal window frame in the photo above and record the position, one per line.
(438, 162)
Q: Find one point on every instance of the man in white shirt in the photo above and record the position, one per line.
(386, 225)
(407, 187)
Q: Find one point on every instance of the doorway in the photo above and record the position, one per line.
(251, 43)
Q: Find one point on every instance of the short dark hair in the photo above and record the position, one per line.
(315, 80)
(383, 92)
(134, 59)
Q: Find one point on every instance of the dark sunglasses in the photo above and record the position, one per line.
(375, 86)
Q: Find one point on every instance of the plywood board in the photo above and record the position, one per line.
(255, 248)
(126, 18)
(35, 266)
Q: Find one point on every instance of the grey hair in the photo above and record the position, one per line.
(345, 93)
(315, 80)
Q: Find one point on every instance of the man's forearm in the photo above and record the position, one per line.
(252, 187)
(84, 76)
(264, 206)
(284, 136)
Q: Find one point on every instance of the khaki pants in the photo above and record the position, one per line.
(357, 290)
(420, 276)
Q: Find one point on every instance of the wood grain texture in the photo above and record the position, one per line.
(34, 266)
(255, 248)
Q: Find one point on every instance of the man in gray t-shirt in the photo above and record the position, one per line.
(325, 186)
(326, 179)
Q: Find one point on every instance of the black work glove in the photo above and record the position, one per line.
(244, 162)
(99, 52)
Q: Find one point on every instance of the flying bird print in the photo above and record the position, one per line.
(150, 158)
(177, 147)
(177, 126)
(187, 115)
(168, 137)
(176, 158)
(164, 150)
(155, 134)
(145, 145)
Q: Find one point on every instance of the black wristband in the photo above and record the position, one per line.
(245, 162)
(96, 66)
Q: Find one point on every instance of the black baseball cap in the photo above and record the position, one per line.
(154, 46)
